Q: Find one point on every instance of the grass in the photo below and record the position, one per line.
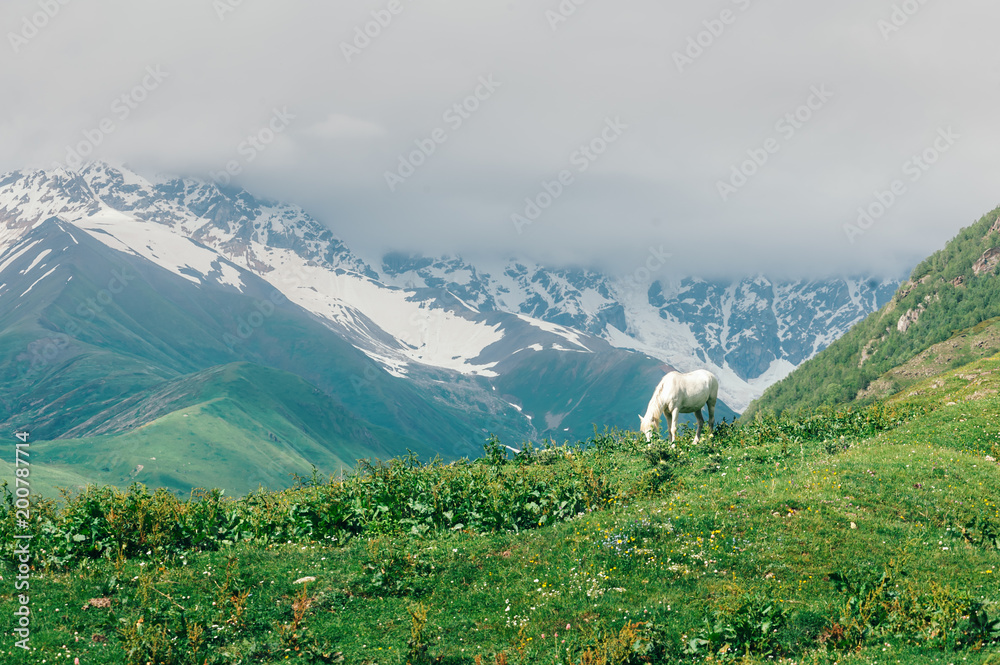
(235, 427)
(864, 535)
(981, 341)
(215, 444)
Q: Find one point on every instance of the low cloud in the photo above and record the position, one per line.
(341, 126)
(746, 66)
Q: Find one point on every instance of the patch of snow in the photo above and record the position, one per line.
(430, 336)
(158, 244)
(13, 257)
(41, 255)
(38, 280)
(570, 335)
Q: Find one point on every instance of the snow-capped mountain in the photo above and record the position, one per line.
(275, 273)
(415, 314)
(751, 332)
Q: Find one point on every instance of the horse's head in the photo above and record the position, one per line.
(646, 427)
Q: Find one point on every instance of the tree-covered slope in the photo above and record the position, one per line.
(953, 290)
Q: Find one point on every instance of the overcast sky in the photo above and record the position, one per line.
(668, 98)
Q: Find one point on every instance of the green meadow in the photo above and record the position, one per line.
(859, 534)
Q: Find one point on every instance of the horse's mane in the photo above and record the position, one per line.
(653, 410)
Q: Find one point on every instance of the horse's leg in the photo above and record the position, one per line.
(711, 414)
(701, 421)
(674, 415)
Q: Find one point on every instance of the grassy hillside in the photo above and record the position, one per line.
(857, 535)
(953, 290)
(980, 341)
(235, 427)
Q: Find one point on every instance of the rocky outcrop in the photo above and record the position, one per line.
(987, 263)
(867, 352)
(995, 228)
(909, 318)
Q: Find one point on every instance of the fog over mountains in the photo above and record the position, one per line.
(443, 312)
(184, 334)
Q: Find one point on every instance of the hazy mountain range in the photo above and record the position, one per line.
(136, 312)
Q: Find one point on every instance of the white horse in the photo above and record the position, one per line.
(681, 393)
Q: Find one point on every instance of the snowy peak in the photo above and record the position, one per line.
(446, 274)
(751, 331)
(447, 312)
(206, 234)
(750, 324)
(228, 220)
(26, 200)
(581, 299)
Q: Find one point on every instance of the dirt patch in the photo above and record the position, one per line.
(978, 342)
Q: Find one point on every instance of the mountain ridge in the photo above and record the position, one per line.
(682, 322)
(947, 296)
(69, 364)
(749, 331)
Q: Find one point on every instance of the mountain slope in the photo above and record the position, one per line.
(750, 332)
(441, 350)
(951, 291)
(410, 313)
(104, 318)
(980, 341)
(445, 348)
(74, 349)
(234, 426)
